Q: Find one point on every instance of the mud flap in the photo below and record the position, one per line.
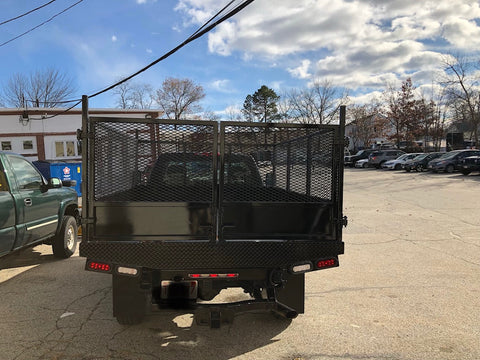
(129, 299)
(292, 294)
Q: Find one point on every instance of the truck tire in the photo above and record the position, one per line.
(129, 300)
(65, 242)
(466, 172)
(449, 169)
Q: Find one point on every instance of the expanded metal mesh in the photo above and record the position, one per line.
(163, 162)
(295, 163)
(126, 154)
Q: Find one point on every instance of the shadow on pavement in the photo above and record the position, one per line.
(57, 310)
(37, 255)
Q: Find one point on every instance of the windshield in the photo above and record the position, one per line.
(449, 155)
(404, 157)
(420, 157)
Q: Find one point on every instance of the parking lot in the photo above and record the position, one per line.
(407, 288)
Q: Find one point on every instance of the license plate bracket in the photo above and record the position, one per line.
(179, 289)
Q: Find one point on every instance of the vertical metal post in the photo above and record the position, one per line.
(308, 182)
(85, 170)
(341, 146)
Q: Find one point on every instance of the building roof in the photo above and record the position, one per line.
(78, 111)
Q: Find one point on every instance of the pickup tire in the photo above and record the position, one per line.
(65, 242)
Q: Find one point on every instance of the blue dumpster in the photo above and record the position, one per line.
(62, 170)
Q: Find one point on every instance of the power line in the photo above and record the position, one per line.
(28, 12)
(43, 23)
(192, 37)
(60, 113)
(197, 34)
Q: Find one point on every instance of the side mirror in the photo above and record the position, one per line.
(269, 179)
(54, 183)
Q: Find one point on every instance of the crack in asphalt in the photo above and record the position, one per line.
(56, 347)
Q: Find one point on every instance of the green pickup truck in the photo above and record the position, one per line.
(33, 210)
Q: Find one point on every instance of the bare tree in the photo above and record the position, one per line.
(132, 95)
(318, 103)
(179, 98)
(46, 88)
(462, 85)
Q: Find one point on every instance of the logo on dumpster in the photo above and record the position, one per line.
(66, 170)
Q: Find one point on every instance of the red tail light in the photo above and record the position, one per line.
(209, 276)
(326, 263)
(98, 266)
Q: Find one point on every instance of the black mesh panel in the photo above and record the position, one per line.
(295, 164)
(127, 154)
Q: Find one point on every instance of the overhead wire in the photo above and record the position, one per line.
(43, 23)
(205, 28)
(28, 12)
(60, 113)
(194, 36)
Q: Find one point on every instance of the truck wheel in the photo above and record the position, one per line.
(466, 172)
(449, 169)
(65, 242)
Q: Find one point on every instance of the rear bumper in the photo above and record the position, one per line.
(205, 255)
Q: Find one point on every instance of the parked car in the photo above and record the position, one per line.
(377, 158)
(361, 163)
(34, 210)
(397, 164)
(450, 161)
(470, 164)
(352, 159)
(420, 163)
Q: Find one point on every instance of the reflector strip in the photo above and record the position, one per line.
(210, 276)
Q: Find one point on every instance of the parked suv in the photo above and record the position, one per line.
(361, 154)
(451, 160)
(377, 158)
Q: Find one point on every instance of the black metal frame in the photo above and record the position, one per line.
(181, 252)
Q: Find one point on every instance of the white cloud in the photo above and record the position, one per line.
(358, 43)
(222, 85)
(302, 71)
(114, 38)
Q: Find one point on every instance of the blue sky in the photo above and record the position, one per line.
(358, 44)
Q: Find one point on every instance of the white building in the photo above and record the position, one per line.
(38, 136)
